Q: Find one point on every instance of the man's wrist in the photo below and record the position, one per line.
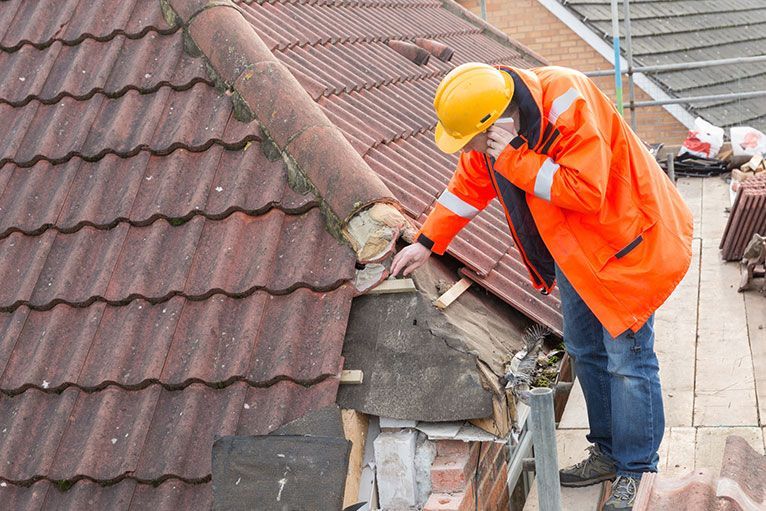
(425, 241)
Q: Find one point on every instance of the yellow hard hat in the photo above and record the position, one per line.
(468, 100)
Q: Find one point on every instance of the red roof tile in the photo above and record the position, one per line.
(162, 282)
(740, 486)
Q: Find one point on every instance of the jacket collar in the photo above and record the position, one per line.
(528, 94)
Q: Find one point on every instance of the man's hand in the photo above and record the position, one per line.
(499, 138)
(410, 259)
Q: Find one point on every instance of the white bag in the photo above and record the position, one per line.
(704, 140)
(746, 141)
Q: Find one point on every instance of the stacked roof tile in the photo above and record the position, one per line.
(748, 217)
(739, 486)
(678, 31)
(162, 283)
(382, 102)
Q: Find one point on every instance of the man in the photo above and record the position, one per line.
(588, 208)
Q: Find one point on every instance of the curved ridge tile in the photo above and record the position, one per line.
(42, 22)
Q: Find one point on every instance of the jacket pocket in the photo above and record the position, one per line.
(610, 253)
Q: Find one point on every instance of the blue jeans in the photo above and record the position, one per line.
(621, 382)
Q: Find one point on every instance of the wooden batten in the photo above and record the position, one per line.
(355, 426)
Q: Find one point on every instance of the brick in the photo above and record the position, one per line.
(451, 472)
(444, 502)
(455, 447)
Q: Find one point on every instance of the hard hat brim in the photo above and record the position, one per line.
(446, 142)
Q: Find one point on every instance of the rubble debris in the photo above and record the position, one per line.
(689, 165)
(754, 263)
(754, 166)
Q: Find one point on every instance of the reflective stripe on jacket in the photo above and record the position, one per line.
(578, 187)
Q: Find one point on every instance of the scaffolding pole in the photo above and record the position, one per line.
(702, 99)
(543, 429)
(616, 45)
(629, 54)
(683, 66)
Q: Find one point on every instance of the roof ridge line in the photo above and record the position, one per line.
(491, 31)
(318, 156)
(171, 387)
(82, 37)
(333, 286)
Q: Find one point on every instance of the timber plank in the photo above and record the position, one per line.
(755, 306)
(682, 446)
(724, 380)
(711, 442)
(675, 325)
(355, 426)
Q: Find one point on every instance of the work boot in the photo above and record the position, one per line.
(624, 490)
(597, 467)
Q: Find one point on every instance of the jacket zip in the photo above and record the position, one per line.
(537, 280)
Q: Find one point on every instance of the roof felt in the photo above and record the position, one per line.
(162, 283)
(677, 31)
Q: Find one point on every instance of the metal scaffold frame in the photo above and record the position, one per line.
(632, 104)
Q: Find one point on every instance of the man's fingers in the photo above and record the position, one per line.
(397, 265)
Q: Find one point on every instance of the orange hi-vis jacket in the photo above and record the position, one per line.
(578, 188)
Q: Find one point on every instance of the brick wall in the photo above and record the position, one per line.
(537, 28)
(468, 476)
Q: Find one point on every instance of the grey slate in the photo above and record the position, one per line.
(413, 362)
(274, 472)
(673, 31)
(325, 422)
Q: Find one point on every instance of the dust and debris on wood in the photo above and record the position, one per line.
(535, 366)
